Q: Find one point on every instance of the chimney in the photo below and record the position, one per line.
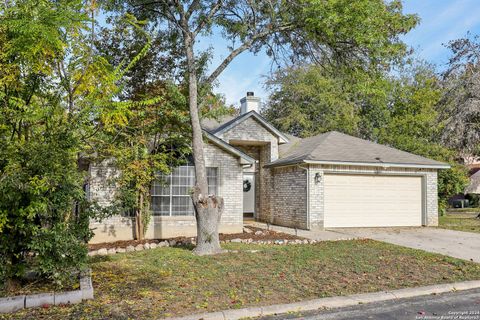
(249, 103)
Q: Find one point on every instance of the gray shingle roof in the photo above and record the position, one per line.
(212, 124)
(251, 114)
(338, 148)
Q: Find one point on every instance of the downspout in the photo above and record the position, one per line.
(307, 169)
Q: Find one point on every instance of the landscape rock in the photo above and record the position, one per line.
(92, 253)
(163, 244)
(146, 246)
(139, 247)
(130, 248)
(247, 230)
(153, 245)
(258, 233)
(236, 240)
(121, 250)
(112, 251)
(172, 243)
(102, 252)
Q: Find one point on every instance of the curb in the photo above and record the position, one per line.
(17, 303)
(331, 302)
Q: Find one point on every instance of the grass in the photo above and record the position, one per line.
(468, 210)
(460, 221)
(171, 281)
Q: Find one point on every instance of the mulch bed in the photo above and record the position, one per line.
(265, 235)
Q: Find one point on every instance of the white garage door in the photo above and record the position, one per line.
(372, 201)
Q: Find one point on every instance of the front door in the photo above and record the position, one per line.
(248, 194)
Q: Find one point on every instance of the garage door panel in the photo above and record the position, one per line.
(372, 201)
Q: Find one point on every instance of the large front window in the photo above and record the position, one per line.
(171, 193)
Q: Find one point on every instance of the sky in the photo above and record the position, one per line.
(441, 21)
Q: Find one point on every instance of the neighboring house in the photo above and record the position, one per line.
(326, 181)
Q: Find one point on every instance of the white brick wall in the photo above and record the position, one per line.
(252, 133)
(317, 190)
(230, 187)
(290, 197)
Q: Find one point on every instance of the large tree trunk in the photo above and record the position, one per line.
(208, 209)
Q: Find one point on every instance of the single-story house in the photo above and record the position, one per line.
(330, 180)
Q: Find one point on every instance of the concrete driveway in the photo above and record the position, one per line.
(458, 244)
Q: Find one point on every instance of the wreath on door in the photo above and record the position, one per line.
(247, 185)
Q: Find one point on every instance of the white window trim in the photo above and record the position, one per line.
(171, 195)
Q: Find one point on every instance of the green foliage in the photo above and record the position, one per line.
(473, 199)
(414, 127)
(364, 32)
(308, 101)
(398, 111)
(52, 85)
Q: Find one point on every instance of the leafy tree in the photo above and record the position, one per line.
(460, 105)
(306, 101)
(39, 144)
(154, 135)
(363, 34)
(414, 127)
(400, 111)
(56, 94)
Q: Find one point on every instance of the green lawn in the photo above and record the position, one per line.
(460, 221)
(171, 281)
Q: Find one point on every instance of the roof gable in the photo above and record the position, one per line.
(338, 148)
(244, 158)
(282, 138)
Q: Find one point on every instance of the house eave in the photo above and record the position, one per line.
(243, 158)
(363, 164)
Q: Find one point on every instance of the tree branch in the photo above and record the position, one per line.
(245, 46)
(191, 9)
(209, 17)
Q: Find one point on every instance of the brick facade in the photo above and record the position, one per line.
(287, 196)
(230, 175)
(317, 189)
(290, 197)
(252, 137)
(292, 208)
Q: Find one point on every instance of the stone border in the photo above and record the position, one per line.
(174, 243)
(332, 302)
(17, 303)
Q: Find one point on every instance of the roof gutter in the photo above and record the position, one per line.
(365, 164)
(382, 164)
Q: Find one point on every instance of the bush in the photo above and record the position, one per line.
(473, 199)
(43, 205)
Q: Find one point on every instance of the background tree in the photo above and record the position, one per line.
(363, 34)
(460, 105)
(398, 110)
(307, 100)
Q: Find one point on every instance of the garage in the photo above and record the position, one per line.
(358, 200)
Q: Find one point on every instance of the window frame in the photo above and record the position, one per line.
(174, 180)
